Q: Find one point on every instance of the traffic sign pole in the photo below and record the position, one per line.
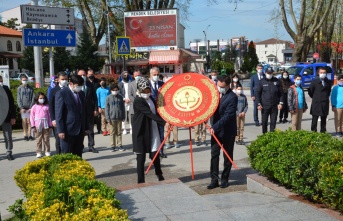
(37, 56)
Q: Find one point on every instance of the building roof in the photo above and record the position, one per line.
(272, 41)
(4, 31)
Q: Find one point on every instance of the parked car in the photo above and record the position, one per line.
(29, 76)
(308, 72)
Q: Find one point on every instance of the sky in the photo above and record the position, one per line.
(219, 21)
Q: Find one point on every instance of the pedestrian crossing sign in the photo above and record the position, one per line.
(123, 46)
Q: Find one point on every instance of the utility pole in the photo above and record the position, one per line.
(37, 50)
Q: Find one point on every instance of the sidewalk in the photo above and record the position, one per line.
(178, 197)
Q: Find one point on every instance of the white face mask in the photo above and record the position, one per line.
(84, 78)
(114, 92)
(285, 76)
(269, 76)
(41, 101)
(235, 80)
(138, 77)
(77, 89)
(1, 84)
(222, 90)
(24, 82)
(145, 96)
(63, 83)
(239, 91)
(322, 76)
(214, 77)
(259, 71)
(155, 78)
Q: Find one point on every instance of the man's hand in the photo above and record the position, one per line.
(95, 113)
(253, 98)
(242, 114)
(54, 123)
(127, 100)
(12, 121)
(334, 109)
(61, 136)
(259, 107)
(211, 131)
(279, 106)
(100, 110)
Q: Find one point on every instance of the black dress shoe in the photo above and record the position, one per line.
(285, 121)
(197, 143)
(26, 138)
(31, 138)
(162, 155)
(212, 186)
(10, 157)
(160, 177)
(257, 124)
(224, 184)
(280, 121)
(92, 149)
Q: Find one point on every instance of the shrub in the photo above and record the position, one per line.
(63, 187)
(309, 163)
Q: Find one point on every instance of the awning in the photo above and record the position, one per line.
(10, 55)
(165, 57)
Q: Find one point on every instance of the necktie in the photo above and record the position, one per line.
(155, 87)
(78, 100)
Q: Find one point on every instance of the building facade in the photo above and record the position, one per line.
(271, 51)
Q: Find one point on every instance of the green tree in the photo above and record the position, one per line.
(230, 54)
(10, 23)
(62, 59)
(27, 61)
(86, 56)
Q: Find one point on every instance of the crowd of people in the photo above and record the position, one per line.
(76, 103)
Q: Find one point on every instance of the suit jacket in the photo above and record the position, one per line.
(52, 97)
(91, 101)
(141, 125)
(70, 118)
(254, 82)
(11, 114)
(224, 118)
(320, 97)
(153, 92)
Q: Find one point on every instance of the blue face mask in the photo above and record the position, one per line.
(298, 82)
(340, 83)
(222, 90)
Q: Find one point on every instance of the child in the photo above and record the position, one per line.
(115, 115)
(242, 108)
(41, 123)
(102, 93)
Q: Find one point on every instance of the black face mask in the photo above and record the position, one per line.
(124, 78)
(91, 77)
(103, 84)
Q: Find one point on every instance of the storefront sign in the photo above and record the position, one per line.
(138, 55)
(151, 28)
(187, 100)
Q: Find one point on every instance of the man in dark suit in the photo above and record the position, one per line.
(254, 83)
(319, 91)
(96, 84)
(91, 103)
(156, 84)
(225, 128)
(62, 83)
(6, 126)
(70, 115)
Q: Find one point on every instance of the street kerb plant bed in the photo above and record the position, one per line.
(63, 187)
(308, 163)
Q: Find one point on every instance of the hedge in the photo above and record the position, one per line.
(309, 163)
(63, 187)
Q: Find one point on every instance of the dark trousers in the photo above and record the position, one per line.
(284, 110)
(97, 121)
(228, 144)
(57, 143)
(72, 144)
(90, 135)
(322, 123)
(161, 131)
(255, 112)
(266, 112)
(141, 162)
(7, 130)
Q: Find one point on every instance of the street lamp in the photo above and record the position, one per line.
(206, 44)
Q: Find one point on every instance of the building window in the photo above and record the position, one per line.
(9, 45)
(18, 46)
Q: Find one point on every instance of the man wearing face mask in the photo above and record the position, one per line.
(96, 84)
(71, 118)
(128, 93)
(155, 85)
(269, 99)
(91, 103)
(319, 91)
(62, 83)
(25, 100)
(254, 82)
(225, 128)
(101, 93)
(214, 76)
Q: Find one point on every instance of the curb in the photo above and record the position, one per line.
(259, 184)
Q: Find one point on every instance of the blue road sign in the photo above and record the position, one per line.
(49, 37)
(123, 46)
